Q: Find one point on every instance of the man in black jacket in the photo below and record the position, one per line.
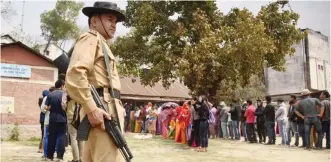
(202, 108)
(235, 114)
(292, 125)
(269, 112)
(260, 121)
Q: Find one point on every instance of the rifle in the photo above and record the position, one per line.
(111, 126)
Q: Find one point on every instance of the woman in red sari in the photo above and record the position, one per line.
(183, 120)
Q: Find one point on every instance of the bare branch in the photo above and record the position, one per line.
(6, 10)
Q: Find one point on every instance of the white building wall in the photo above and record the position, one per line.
(54, 51)
(319, 59)
(292, 80)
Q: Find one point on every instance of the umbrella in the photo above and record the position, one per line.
(169, 104)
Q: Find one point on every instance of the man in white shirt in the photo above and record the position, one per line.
(281, 118)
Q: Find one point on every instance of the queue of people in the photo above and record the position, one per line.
(308, 118)
(186, 123)
(194, 122)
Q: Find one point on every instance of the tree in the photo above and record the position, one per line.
(281, 26)
(254, 90)
(232, 53)
(203, 47)
(60, 23)
(6, 10)
(155, 39)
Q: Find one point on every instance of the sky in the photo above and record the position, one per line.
(313, 14)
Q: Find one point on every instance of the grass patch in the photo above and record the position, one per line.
(34, 139)
(15, 133)
(166, 150)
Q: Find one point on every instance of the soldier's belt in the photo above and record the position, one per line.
(117, 93)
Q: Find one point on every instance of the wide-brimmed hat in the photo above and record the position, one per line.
(104, 7)
(305, 92)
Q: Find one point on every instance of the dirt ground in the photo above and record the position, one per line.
(161, 150)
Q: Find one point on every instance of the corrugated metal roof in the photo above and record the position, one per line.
(176, 90)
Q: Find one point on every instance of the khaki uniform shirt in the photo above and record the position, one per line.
(87, 66)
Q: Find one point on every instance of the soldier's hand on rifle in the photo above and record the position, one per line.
(96, 118)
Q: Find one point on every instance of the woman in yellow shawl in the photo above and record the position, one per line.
(132, 120)
(152, 120)
(172, 123)
(139, 120)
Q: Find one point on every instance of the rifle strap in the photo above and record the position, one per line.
(109, 70)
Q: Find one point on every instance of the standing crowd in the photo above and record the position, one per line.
(59, 120)
(194, 122)
(187, 122)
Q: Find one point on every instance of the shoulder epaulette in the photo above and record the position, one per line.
(93, 32)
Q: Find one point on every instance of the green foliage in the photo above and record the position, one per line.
(36, 47)
(15, 133)
(60, 23)
(254, 90)
(281, 26)
(210, 52)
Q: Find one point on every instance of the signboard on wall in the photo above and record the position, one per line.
(17, 71)
(7, 105)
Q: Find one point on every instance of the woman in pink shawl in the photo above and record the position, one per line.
(164, 119)
(213, 126)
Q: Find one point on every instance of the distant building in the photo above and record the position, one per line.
(133, 91)
(25, 73)
(308, 68)
(53, 51)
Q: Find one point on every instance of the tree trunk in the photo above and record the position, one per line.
(48, 42)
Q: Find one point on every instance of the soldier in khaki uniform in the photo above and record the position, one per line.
(87, 66)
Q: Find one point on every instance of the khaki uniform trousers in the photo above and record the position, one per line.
(99, 147)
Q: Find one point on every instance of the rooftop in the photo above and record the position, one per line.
(129, 89)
